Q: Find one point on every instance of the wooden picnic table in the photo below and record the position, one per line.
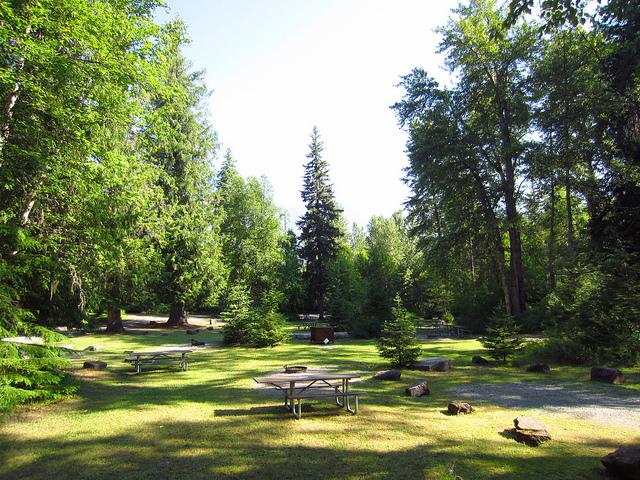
(178, 355)
(313, 385)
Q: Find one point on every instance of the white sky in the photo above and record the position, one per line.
(279, 67)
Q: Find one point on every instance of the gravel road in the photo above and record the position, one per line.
(620, 407)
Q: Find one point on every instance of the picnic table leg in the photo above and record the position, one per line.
(299, 408)
(346, 399)
(137, 365)
(292, 391)
(338, 402)
(184, 363)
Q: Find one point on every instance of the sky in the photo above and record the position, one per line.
(279, 67)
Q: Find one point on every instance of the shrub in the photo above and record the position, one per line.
(30, 373)
(397, 340)
(245, 325)
(267, 329)
(501, 338)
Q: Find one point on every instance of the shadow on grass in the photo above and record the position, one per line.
(234, 446)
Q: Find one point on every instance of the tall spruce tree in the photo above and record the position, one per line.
(319, 230)
(181, 142)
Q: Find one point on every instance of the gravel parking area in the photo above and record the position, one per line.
(620, 408)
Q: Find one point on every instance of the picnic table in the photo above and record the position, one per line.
(299, 386)
(159, 356)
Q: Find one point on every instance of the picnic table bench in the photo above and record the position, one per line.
(314, 385)
(137, 359)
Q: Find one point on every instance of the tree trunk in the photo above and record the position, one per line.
(496, 236)
(178, 315)
(551, 262)
(114, 321)
(321, 309)
(515, 245)
(570, 234)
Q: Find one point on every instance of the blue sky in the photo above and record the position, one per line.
(279, 67)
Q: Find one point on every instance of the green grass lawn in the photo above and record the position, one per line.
(211, 422)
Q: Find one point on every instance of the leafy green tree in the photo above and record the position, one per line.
(291, 282)
(346, 293)
(70, 79)
(397, 340)
(319, 228)
(472, 136)
(250, 232)
(501, 337)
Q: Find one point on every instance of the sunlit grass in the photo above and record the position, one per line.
(211, 422)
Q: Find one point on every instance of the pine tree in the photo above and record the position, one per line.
(501, 338)
(398, 340)
(319, 225)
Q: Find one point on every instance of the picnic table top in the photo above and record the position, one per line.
(305, 377)
(160, 352)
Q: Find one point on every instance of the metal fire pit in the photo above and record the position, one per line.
(294, 369)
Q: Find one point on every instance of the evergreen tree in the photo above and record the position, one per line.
(181, 142)
(319, 225)
(398, 340)
(501, 338)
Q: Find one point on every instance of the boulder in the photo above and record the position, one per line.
(458, 407)
(538, 368)
(607, 375)
(624, 462)
(530, 431)
(417, 390)
(432, 365)
(95, 365)
(91, 348)
(192, 332)
(388, 375)
(196, 343)
(210, 328)
(478, 360)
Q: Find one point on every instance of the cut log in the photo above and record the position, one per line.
(388, 375)
(432, 365)
(533, 438)
(538, 368)
(607, 375)
(458, 407)
(95, 365)
(478, 360)
(417, 390)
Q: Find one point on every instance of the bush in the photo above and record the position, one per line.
(247, 326)
(267, 329)
(397, 340)
(501, 338)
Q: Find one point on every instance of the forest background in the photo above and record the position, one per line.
(524, 203)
